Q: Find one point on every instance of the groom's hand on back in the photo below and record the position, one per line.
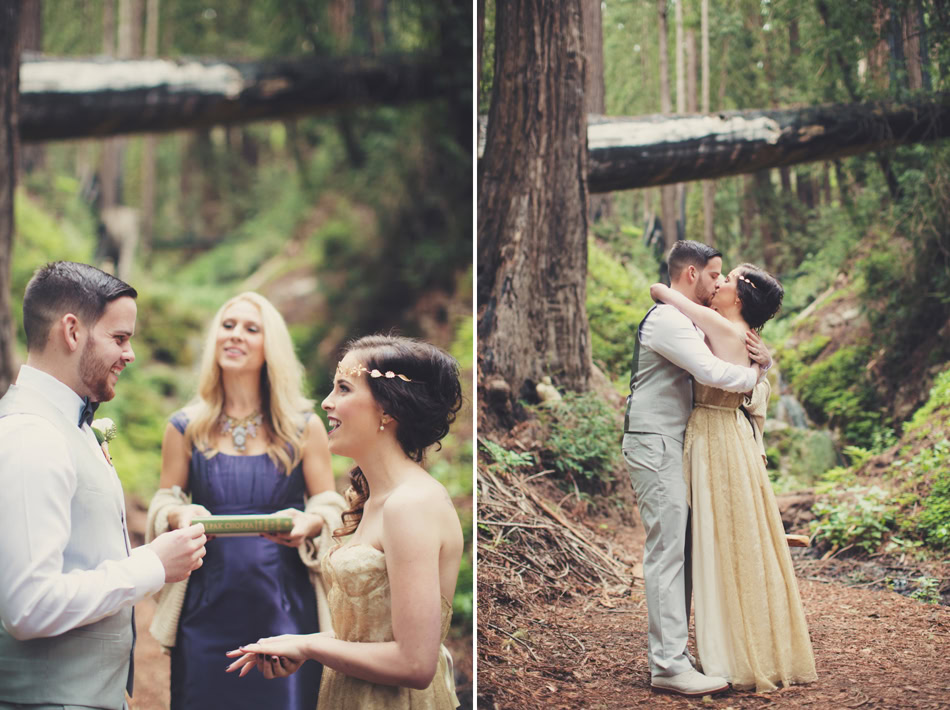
(181, 551)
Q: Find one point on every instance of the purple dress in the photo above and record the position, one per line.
(247, 588)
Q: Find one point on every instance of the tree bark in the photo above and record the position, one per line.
(9, 80)
(120, 97)
(709, 187)
(108, 158)
(31, 40)
(479, 42)
(600, 206)
(532, 206)
(668, 191)
(680, 108)
(150, 143)
(912, 27)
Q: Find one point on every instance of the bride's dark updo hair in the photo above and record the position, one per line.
(423, 408)
(760, 295)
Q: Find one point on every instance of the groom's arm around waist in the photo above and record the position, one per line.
(37, 598)
(675, 337)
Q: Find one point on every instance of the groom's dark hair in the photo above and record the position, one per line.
(685, 253)
(67, 287)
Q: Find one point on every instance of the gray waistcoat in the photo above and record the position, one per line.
(661, 394)
(89, 665)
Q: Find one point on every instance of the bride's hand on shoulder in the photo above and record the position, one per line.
(306, 525)
(658, 291)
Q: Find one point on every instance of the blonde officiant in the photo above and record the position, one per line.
(249, 443)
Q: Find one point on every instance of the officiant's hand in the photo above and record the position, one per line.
(180, 551)
(306, 525)
(182, 516)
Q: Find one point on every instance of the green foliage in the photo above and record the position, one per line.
(797, 458)
(862, 520)
(837, 391)
(928, 590)
(931, 520)
(581, 437)
(794, 361)
(617, 299)
(504, 459)
(936, 407)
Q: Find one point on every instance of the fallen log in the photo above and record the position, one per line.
(92, 98)
(627, 153)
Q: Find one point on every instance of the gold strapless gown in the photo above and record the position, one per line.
(360, 607)
(750, 624)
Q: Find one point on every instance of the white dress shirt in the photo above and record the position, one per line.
(37, 482)
(674, 336)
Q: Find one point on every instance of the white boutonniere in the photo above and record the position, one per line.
(105, 431)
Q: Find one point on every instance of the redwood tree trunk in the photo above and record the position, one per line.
(532, 205)
(667, 192)
(9, 86)
(150, 143)
(709, 187)
(594, 90)
(31, 39)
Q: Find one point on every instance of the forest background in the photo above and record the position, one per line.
(351, 222)
(859, 424)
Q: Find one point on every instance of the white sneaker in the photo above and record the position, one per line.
(690, 683)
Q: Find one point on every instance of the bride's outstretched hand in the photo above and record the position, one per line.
(274, 657)
(306, 525)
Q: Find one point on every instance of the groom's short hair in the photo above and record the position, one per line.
(67, 287)
(686, 252)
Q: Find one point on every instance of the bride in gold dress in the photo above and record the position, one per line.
(750, 624)
(391, 583)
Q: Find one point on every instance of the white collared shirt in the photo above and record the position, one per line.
(674, 336)
(37, 482)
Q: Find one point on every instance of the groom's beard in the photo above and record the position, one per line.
(95, 374)
(703, 296)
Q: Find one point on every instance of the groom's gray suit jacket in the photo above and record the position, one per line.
(89, 665)
(661, 394)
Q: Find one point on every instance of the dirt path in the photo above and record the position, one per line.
(873, 649)
(572, 645)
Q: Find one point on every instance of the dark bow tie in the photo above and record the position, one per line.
(88, 410)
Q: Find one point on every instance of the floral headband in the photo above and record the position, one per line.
(743, 278)
(374, 373)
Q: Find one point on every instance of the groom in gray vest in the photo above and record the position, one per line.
(670, 353)
(69, 576)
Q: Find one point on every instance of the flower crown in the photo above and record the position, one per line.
(743, 278)
(374, 373)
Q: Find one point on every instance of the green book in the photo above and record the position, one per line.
(244, 524)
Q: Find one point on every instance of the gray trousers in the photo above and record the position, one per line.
(655, 464)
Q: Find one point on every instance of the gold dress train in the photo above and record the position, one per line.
(360, 607)
(750, 624)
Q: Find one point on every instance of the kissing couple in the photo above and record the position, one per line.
(693, 446)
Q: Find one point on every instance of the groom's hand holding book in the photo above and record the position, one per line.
(181, 551)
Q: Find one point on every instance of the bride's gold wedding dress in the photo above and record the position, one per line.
(750, 624)
(360, 607)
